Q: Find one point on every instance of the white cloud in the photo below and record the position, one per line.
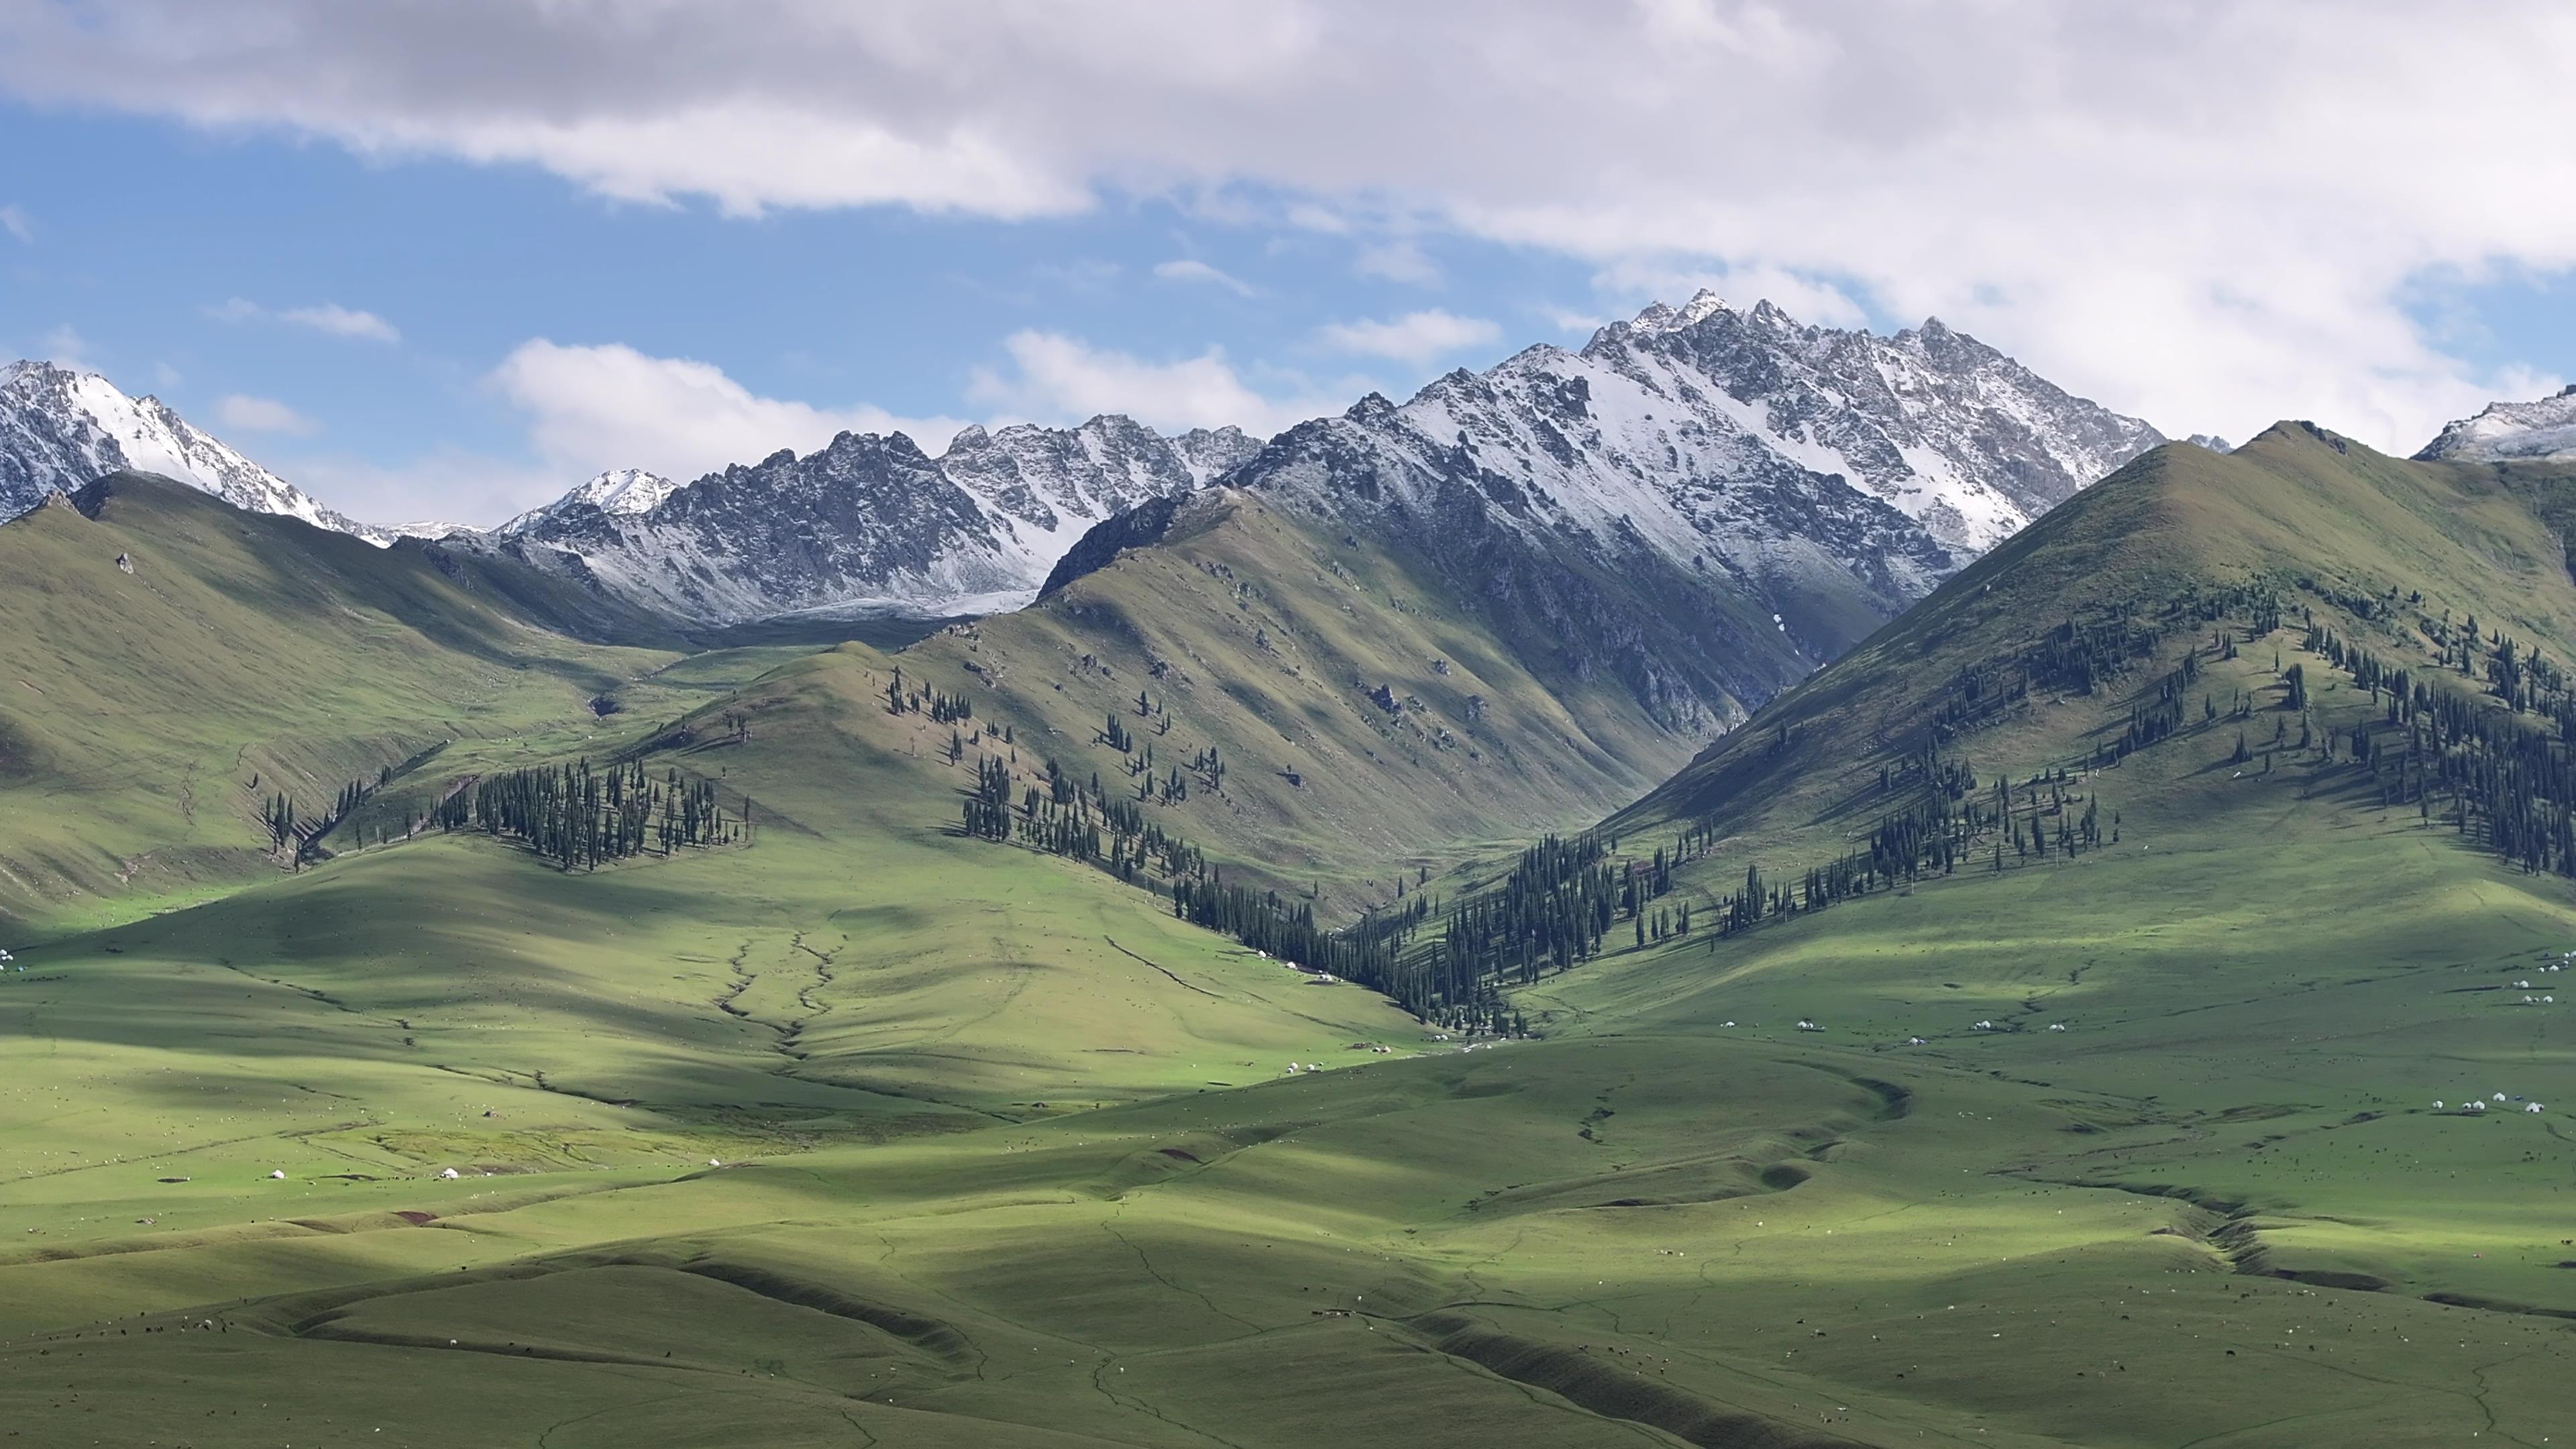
(1415, 337)
(592, 408)
(1568, 319)
(329, 318)
(14, 221)
(2200, 211)
(1398, 261)
(65, 347)
(1189, 269)
(449, 485)
(340, 321)
(243, 413)
(1636, 281)
(1060, 379)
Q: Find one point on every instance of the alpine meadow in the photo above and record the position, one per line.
(1724, 880)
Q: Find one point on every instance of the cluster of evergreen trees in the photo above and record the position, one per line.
(1078, 822)
(2498, 769)
(579, 817)
(1549, 913)
(942, 708)
(1552, 911)
(1367, 952)
(1937, 833)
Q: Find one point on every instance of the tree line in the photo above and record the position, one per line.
(581, 817)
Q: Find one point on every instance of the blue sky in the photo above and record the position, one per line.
(144, 238)
(448, 260)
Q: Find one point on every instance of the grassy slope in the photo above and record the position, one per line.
(1378, 791)
(1652, 1228)
(2265, 985)
(139, 708)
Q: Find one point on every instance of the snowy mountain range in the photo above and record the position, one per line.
(60, 428)
(1740, 437)
(1711, 433)
(1724, 442)
(865, 524)
(1704, 502)
(2506, 432)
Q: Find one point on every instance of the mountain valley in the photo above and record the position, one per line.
(1741, 885)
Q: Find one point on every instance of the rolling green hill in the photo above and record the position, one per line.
(859, 1129)
(2250, 985)
(1370, 718)
(150, 716)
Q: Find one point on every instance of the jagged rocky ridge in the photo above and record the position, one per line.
(865, 524)
(60, 429)
(1706, 503)
(2507, 432)
(1721, 444)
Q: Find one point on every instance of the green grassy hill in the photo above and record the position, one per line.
(2242, 1003)
(2326, 527)
(869, 1131)
(147, 718)
(1370, 718)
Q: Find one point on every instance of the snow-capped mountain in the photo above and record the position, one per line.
(866, 524)
(59, 429)
(1953, 433)
(2506, 432)
(1719, 438)
(620, 492)
(429, 530)
(1734, 440)
(1210, 453)
(1708, 502)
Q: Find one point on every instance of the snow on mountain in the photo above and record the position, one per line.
(1709, 431)
(1738, 440)
(2505, 432)
(1721, 499)
(620, 491)
(1211, 453)
(866, 524)
(1955, 434)
(428, 529)
(59, 429)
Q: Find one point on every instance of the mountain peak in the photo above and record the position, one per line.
(1663, 317)
(62, 427)
(2541, 431)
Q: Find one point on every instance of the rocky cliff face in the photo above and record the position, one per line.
(867, 524)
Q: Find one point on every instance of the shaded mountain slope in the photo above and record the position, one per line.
(2327, 526)
(1367, 714)
(140, 707)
